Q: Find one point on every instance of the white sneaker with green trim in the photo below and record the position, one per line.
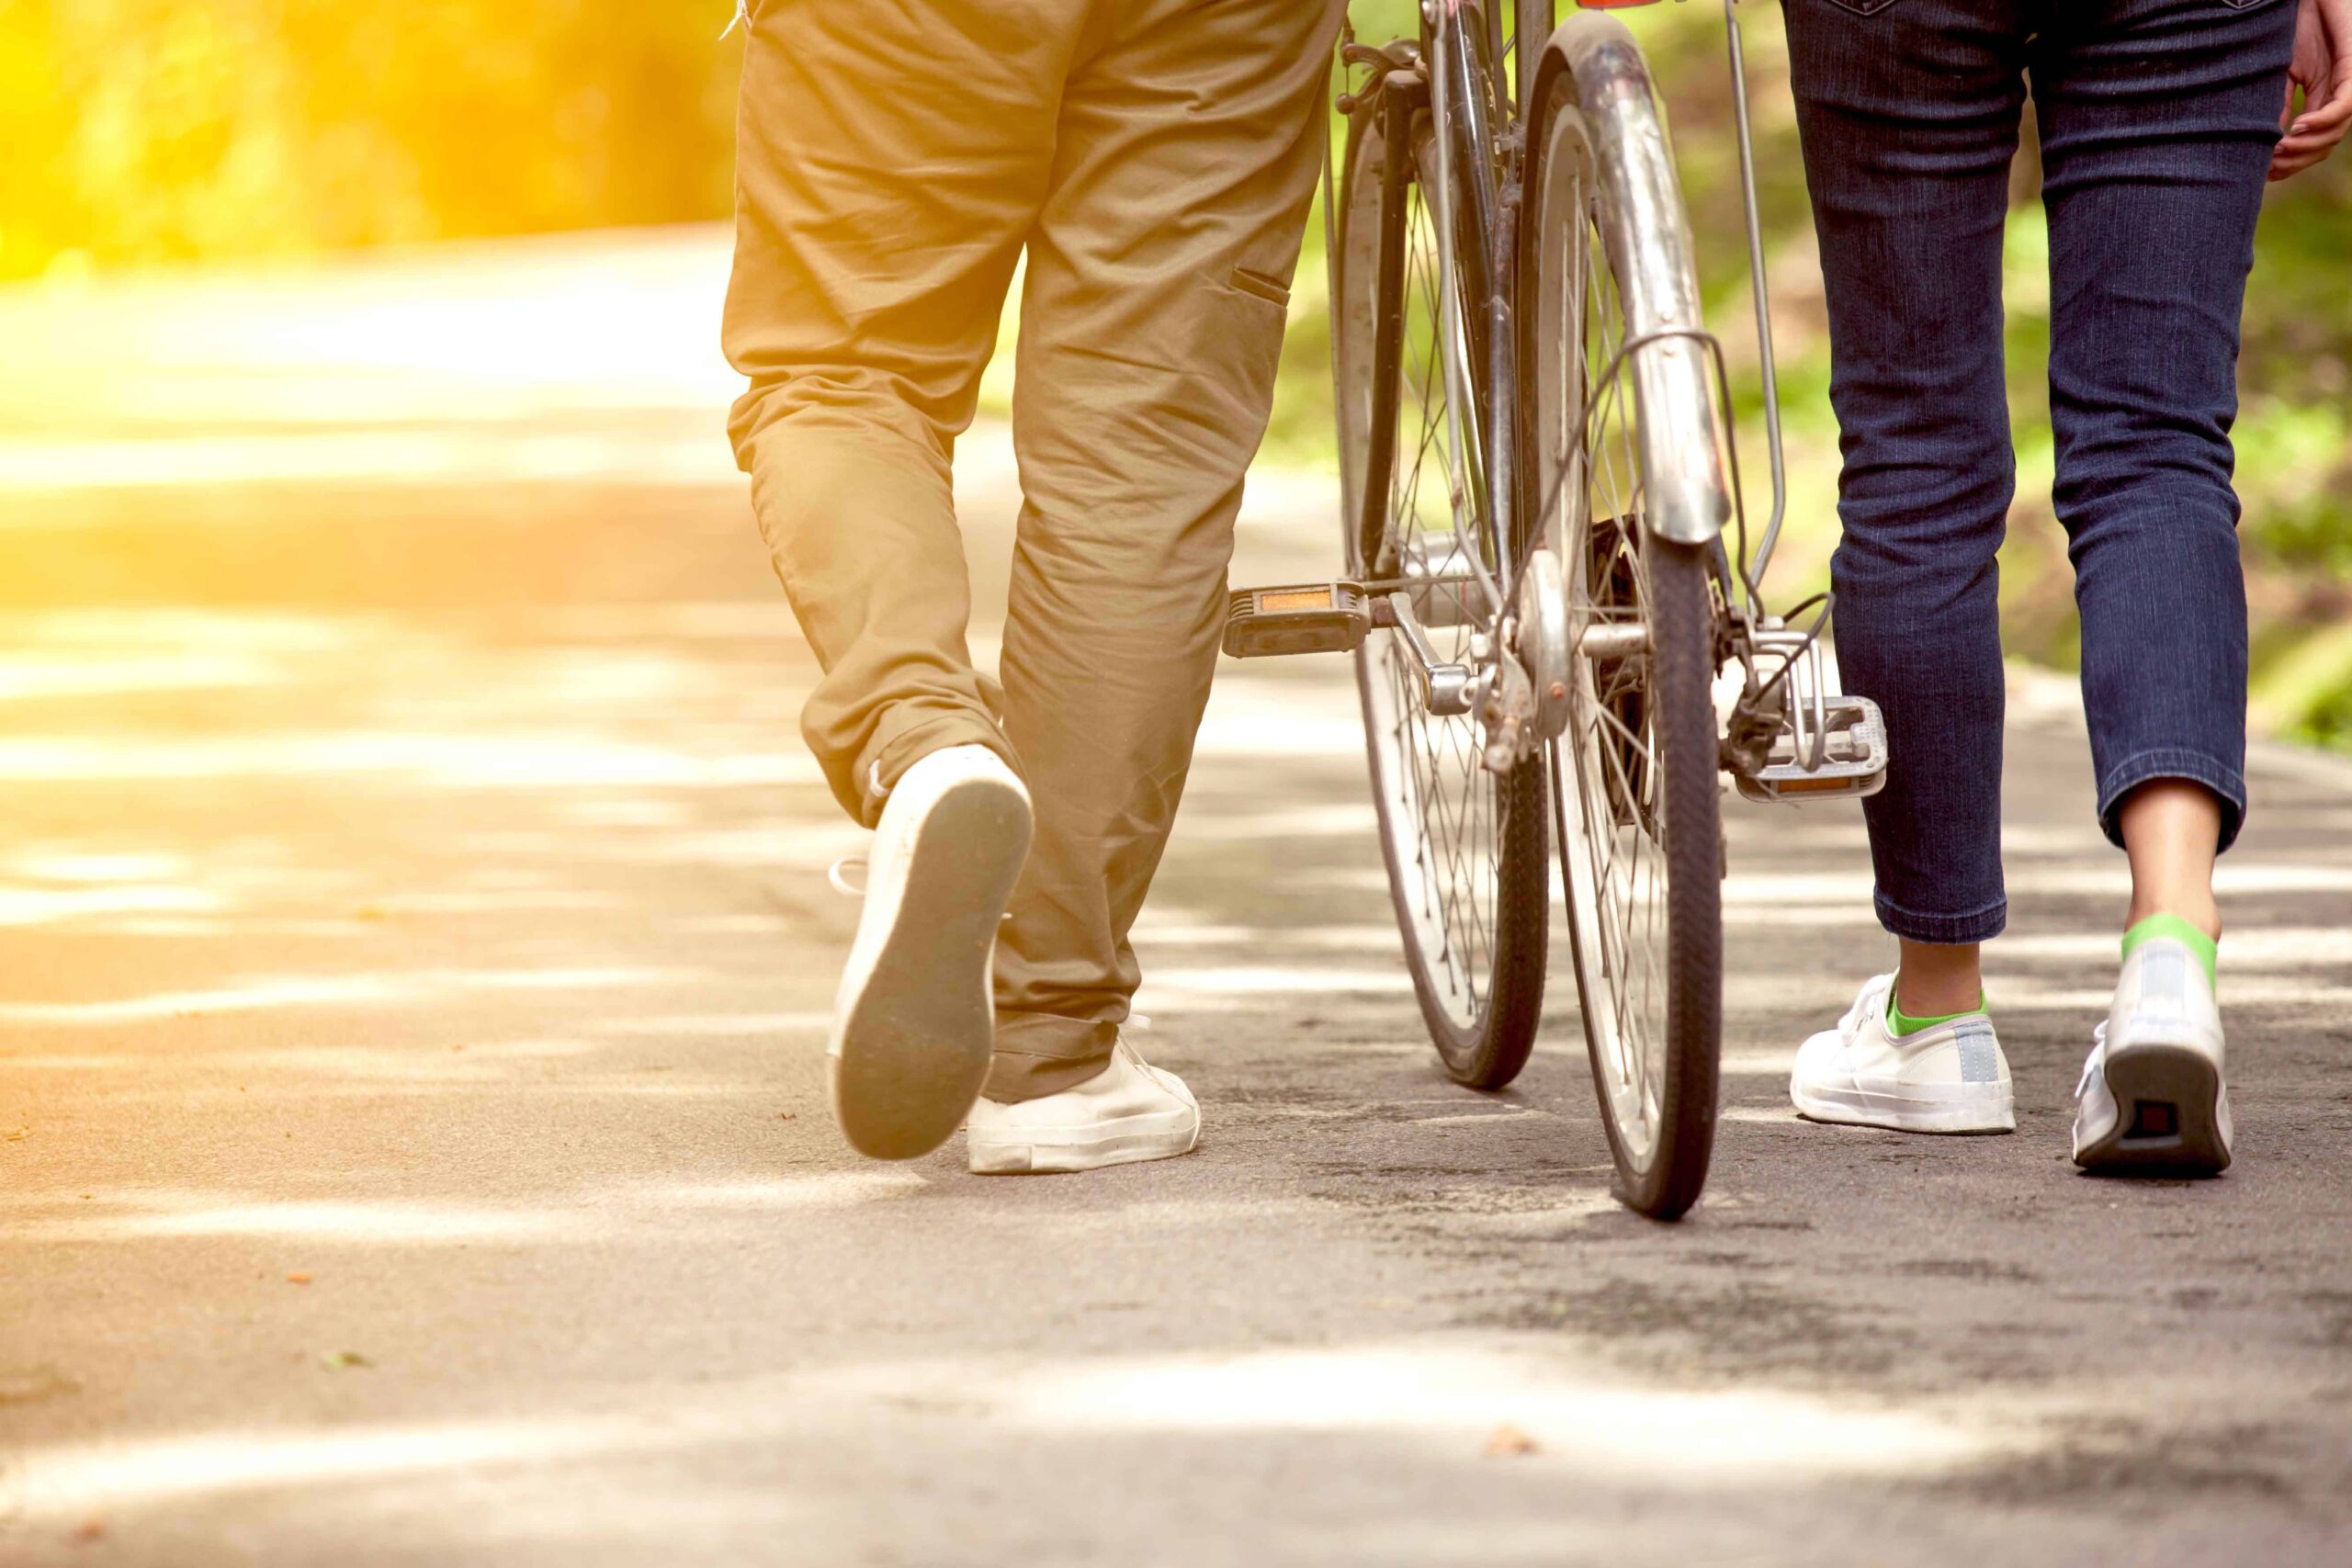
(2152, 1095)
(1949, 1078)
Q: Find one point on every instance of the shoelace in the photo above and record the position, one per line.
(1862, 1007)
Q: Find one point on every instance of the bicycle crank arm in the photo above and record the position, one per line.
(1449, 689)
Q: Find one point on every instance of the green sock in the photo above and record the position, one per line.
(2206, 950)
(1900, 1023)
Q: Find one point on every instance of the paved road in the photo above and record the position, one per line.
(413, 951)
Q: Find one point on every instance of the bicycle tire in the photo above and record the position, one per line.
(1479, 981)
(1636, 796)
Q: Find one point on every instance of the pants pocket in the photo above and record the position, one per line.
(1273, 290)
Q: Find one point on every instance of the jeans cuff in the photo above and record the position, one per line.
(2198, 767)
(1947, 930)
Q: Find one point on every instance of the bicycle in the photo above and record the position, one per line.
(1538, 476)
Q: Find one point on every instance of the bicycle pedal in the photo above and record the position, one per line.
(1852, 735)
(1306, 617)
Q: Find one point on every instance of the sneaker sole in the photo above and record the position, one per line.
(2169, 1103)
(1899, 1112)
(1159, 1136)
(913, 1047)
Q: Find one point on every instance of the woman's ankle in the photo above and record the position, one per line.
(2171, 833)
(2200, 910)
(1935, 980)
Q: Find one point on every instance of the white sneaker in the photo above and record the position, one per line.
(914, 1021)
(1129, 1111)
(2152, 1094)
(1949, 1079)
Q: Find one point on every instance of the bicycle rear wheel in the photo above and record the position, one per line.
(1464, 849)
(1611, 450)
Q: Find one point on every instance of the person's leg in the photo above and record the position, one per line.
(1910, 208)
(2158, 118)
(891, 160)
(1909, 115)
(1188, 148)
(2172, 830)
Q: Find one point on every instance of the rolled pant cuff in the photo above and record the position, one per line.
(1039, 1054)
(1945, 931)
(2198, 767)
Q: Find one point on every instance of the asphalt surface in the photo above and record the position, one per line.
(415, 950)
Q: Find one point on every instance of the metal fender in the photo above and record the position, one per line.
(1682, 429)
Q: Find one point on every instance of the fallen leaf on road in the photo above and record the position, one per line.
(345, 1358)
(89, 1529)
(297, 1276)
(1508, 1441)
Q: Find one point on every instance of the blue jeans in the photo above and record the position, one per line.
(2158, 119)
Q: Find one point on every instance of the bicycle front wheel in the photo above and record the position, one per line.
(1618, 439)
(1464, 849)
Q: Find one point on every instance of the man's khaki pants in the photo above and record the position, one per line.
(1155, 158)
